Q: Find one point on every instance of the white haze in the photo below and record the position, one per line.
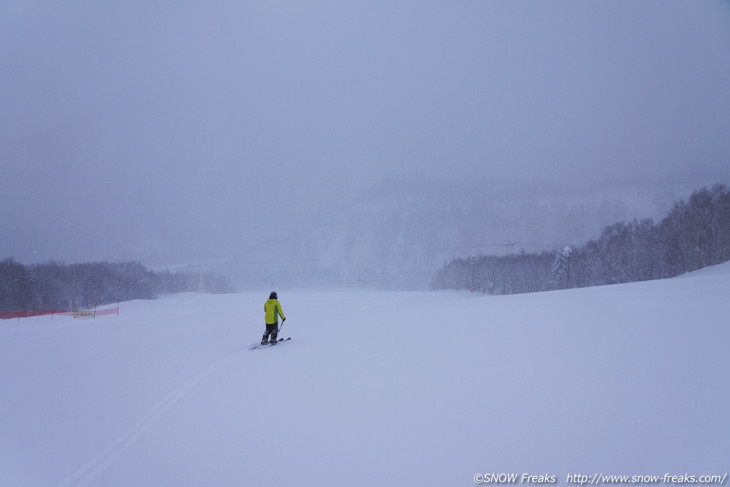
(189, 132)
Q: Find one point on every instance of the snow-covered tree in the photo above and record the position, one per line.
(560, 270)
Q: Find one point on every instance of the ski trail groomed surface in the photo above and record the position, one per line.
(92, 469)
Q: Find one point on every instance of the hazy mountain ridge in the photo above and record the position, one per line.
(397, 233)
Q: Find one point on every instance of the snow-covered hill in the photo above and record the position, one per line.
(375, 388)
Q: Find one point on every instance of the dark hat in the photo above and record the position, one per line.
(273, 295)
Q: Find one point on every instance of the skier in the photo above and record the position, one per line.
(273, 310)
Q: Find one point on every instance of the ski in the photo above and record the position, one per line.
(259, 346)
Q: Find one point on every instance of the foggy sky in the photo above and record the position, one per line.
(173, 132)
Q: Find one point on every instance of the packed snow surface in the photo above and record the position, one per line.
(375, 388)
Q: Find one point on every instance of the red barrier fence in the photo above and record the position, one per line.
(112, 311)
(6, 315)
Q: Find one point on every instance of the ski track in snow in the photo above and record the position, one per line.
(96, 466)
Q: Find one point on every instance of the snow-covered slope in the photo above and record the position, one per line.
(375, 388)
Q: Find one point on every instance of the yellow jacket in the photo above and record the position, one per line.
(273, 310)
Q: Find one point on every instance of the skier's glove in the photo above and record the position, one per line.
(283, 320)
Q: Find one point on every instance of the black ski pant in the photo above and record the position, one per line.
(272, 329)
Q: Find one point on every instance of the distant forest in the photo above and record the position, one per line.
(695, 234)
(84, 286)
